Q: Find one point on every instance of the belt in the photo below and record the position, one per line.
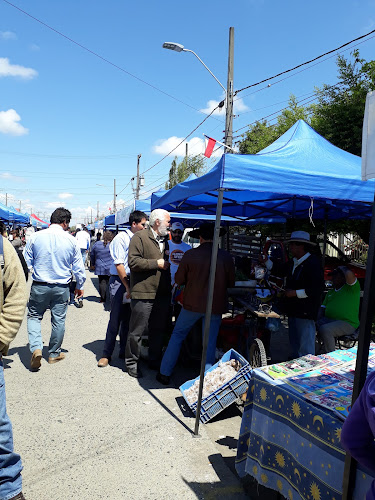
(45, 283)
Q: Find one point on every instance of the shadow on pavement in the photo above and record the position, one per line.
(225, 487)
(25, 355)
(96, 348)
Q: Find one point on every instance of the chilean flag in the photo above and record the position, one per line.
(210, 147)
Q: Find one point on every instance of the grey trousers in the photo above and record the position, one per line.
(329, 329)
(155, 315)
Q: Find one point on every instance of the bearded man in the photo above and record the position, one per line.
(150, 285)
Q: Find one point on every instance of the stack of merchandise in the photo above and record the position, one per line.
(326, 380)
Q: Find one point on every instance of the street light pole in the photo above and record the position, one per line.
(138, 187)
(229, 111)
(177, 47)
(114, 196)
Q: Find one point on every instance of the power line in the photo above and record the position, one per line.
(184, 139)
(304, 63)
(69, 157)
(103, 58)
(299, 102)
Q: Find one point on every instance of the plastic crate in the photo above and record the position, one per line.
(227, 394)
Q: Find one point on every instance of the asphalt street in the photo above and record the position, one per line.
(92, 433)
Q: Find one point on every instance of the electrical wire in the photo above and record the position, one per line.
(103, 58)
(303, 64)
(299, 102)
(183, 140)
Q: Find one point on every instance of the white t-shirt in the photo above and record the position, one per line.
(176, 252)
(83, 239)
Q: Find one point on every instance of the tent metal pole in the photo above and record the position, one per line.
(325, 237)
(363, 350)
(210, 296)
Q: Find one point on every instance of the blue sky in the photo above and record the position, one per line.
(70, 123)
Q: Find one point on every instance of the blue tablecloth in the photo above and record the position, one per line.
(291, 445)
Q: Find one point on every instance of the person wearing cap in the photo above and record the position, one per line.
(339, 312)
(303, 290)
(177, 248)
(193, 272)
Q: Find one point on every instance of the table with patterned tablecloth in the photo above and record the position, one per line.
(292, 446)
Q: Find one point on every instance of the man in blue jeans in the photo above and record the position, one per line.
(13, 298)
(119, 286)
(193, 272)
(52, 253)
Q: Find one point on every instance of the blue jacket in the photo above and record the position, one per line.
(100, 257)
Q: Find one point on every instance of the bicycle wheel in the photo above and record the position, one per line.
(257, 354)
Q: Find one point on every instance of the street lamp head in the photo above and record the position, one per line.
(173, 46)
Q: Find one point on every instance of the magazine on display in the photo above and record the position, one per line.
(294, 367)
(317, 379)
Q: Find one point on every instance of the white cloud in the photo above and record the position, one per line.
(65, 196)
(53, 204)
(34, 47)
(10, 177)
(238, 107)
(7, 35)
(9, 123)
(8, 69)
(196, 145)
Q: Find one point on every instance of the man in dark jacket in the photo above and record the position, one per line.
(150, 285)
(303, 291)
(193, 272)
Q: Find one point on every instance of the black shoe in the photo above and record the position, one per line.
(135, 373)
(154, 365)
(163, 379)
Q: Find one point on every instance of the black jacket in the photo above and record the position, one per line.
(308, 276)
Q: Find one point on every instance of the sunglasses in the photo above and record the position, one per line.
(178, 231)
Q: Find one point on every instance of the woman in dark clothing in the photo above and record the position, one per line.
(101, 260)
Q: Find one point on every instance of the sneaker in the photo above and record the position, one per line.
(58, 358)
(163, 379)
(36, 359)
(20, 496)
(80, 303)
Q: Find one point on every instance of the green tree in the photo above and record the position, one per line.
(258, 136)
(338, 115)
(181, 171)
(262, 134)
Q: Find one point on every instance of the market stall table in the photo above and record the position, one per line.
(292, 446)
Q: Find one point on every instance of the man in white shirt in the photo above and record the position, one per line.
(118, 287)
(177, 248)
(83, 239)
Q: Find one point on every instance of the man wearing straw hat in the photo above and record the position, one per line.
(303, 290)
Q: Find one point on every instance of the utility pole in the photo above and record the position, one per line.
(114, 196)
(137, 189)
(97, 210)
(6, 199)
(91, 217)
(229, 111)
(20, 206)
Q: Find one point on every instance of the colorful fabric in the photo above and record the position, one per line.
(292, 446)
(343, 304)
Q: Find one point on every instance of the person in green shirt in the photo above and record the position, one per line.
(338, 314)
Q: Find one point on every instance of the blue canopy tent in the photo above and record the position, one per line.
(12, 216)
(300, 175)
